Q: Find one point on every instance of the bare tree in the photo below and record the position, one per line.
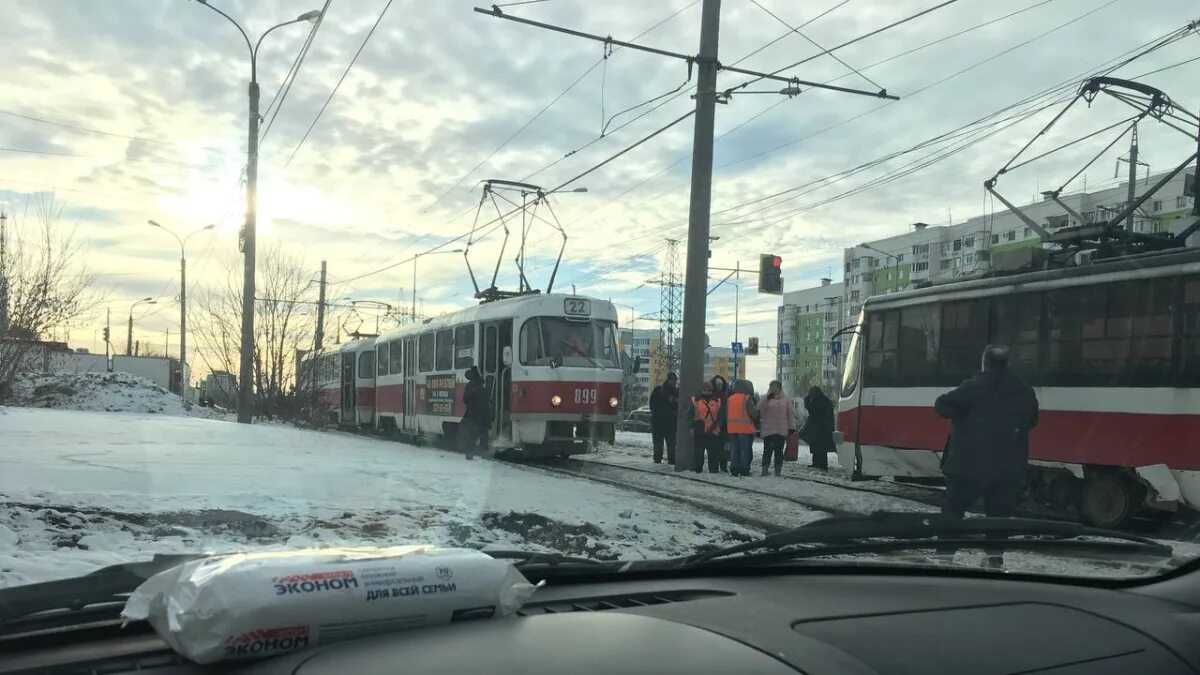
(284, 326)
(47, 286)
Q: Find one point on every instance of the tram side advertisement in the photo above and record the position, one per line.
(440, 391)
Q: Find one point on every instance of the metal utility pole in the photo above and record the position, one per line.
(129, 335)
(1133, 165)
(183, 375)
(246, 370)
(696, 281)
(3, 274)
(319, 342)
(737, 309)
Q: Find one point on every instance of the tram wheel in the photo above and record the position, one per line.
(1107, 500)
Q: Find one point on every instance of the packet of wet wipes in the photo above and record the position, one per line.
(265, 603)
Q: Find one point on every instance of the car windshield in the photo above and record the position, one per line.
(270, 270)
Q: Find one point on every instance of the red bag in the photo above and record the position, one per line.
(791, 451)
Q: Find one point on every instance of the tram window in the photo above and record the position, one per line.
(464, 347)
(964, 335)
(425, 353)
(531, 342)
(445, 349)
(1189, 362)
(882, 346)
(366, 365)
(1015, 323)
(1141, 310)
(919, 331)
(396, 362)
(381, 357)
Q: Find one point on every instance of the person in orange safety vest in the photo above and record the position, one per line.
(741, 411)
(708, 426)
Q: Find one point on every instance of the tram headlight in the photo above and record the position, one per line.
(556, 400)
(613, 402)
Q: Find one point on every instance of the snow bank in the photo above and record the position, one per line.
(105, 392)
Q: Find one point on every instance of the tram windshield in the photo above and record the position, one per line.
(552, 340)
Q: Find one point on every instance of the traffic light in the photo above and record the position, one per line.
(752, 347)
(770, 274)
(106, 334)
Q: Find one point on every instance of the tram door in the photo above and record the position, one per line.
(349, 414)
(410, 385)
(497, 377)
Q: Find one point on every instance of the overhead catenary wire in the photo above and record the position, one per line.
(1107, 67)
(98, 132)
(547, 107)
(282, 93)
(814, 43)
(826, 129)
(673, 95)
(497, 222)
(860, 38)
(341, 79)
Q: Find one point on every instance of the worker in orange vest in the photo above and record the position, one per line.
(708, 425)
(741, 411)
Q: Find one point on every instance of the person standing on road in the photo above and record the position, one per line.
(477, 418)
(818, 429)
(708, 423)
(721, 391)
(664, 414)
(740, 415)
(778, 422)
(990, 416)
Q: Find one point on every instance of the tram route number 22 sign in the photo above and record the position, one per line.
(440, 390)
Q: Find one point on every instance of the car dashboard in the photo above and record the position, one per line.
(807, 622)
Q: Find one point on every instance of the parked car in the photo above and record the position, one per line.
(638, 420)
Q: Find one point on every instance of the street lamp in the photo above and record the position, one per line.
(248, 232)
(893, 257)
(129, 335)
(183, 374)
(414, 288)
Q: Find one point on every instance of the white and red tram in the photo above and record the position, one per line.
(1112, 349)
(550, 363)
(345, 382)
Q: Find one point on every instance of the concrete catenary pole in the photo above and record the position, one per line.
(696, 279)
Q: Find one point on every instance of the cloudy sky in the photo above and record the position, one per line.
(131, 110)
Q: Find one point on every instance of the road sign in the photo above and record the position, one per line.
(785, 349)
(836, 345)
(737, 347)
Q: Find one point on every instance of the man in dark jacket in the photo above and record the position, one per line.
(664, 414)
(476, 420)
(991, 415)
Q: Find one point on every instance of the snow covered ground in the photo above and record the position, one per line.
(79, 490)
(110, 392)
(832, 489)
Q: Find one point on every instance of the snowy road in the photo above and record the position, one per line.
(83, 489)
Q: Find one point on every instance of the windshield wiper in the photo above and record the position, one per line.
(885, 531)
(580, 352)
(525, 559)
(107, 584)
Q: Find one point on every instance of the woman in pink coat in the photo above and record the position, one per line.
(778, 422)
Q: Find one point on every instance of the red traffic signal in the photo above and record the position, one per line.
(770, 274)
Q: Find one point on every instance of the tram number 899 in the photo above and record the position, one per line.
(585, 396)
